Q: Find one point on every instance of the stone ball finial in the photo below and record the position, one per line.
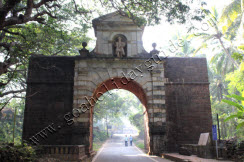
(154, 45)
(154, 51)
(84, 44)
(84, 51)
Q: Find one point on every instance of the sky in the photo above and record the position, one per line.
(162, 34)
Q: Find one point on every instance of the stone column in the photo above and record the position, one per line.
(157, 112)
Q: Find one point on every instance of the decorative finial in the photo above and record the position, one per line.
(154, 51)
(154, 45)
(84, 51)
(84, 44)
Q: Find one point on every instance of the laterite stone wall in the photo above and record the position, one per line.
(175, 93)
(188, 107)
(49, 96)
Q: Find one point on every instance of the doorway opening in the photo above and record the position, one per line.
(119, 113)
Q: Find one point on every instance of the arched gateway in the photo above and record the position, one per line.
(119, 83)
(62, 91)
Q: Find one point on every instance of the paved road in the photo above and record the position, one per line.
(115, 151)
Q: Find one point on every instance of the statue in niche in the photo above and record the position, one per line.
(119, 47)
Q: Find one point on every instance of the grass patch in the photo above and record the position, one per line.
(140, 145)
(100, 138)
(97, 145)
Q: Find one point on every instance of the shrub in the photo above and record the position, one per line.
(21, 153)
(100, 136)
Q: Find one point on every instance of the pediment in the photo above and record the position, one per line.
(114, 17)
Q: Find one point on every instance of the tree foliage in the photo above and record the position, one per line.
(232, 17)
(31, 27)
(137, 120)
(152, 11)
(218, 37)
(116, 106)
(7, 122)
(236, 81)
(240, 113)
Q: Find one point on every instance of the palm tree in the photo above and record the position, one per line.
(217, 38)
(187, 49)
(184, 49)
(218, 85)
(232, 17)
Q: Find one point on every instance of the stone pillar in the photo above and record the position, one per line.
(156, 110)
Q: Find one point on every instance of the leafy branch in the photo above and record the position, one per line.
(240, 113)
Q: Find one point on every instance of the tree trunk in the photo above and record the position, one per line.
(14, 123)
(224, 129)
(227, 52)
(107, 125)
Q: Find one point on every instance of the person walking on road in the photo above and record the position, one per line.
(126, 140)
(131, 140)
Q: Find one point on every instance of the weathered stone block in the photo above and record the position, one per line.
(157, 114)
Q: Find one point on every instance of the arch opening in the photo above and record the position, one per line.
(124, 85)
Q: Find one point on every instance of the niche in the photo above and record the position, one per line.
(119, 43)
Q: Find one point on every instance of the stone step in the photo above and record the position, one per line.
(193, 158)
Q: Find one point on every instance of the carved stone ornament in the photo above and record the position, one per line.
(119, 47)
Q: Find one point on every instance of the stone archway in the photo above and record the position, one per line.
(126, 84)
(58, 85)
(148, 85)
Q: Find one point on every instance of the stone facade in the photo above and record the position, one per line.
(187, 101)
(62, 91)
(56, 85)
(65, 152)
(107, 27)
(49, 96)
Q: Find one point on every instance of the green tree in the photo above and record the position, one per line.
(232, 17)
(218, 86)
(183, 47)
(152, 11)
(113, 108)
(115, 105)
(236, 82)
(7, 122)
(219, 66)
(217, 38)
(137, 120)
(31, 27)
(227, 129)
(240, 113)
